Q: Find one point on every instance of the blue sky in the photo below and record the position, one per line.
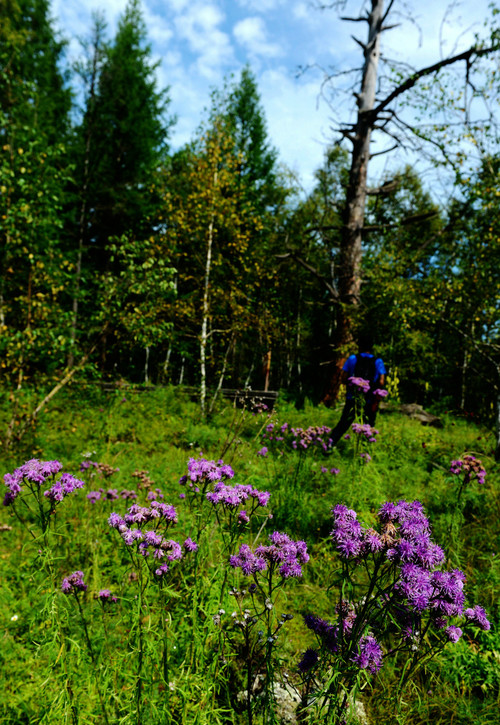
(200, 42)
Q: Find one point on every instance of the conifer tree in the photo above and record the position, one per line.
(248, 127)
(130, 131)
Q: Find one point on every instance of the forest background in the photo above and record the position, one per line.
(122, 260)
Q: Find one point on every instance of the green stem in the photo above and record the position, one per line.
(93, 659)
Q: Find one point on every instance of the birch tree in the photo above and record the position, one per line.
(209, 223)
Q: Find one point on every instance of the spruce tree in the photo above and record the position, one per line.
(249, 129)
(129, 135)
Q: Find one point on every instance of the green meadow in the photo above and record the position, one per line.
(183, 647)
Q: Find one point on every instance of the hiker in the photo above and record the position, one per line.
(368, 367)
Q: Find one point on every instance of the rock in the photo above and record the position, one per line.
(414, 411)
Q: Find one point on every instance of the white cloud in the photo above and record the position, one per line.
(199, 27)
(261, 6)
(160, 32)
(251, 33)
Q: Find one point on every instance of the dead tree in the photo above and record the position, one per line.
(373, 114)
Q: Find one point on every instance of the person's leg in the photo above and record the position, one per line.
(344, 423)
(370, 414)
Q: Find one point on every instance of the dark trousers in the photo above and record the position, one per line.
(347, 419)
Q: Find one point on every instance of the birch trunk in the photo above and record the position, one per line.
(206, 306)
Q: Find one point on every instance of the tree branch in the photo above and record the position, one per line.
(467, 56)
(292, 255)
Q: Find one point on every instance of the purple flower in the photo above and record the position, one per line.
(380, 393)
(347, 532)
(471, 467)
(190, 545)
(37, 472)
(359, 384)
(263, 452)
(203, 472)
(309, 660)
(74, 583)
(477, 616)
(63, 487)
(282, 552)
(369, 655)
(453, 633)
(106, 596)
(365, 431)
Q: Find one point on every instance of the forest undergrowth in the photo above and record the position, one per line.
(160, 568)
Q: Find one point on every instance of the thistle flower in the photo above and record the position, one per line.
(190, 545)
(63, 487)
(359, 384)
(309, 659)
(39, 473)
(32, 472)
(105, 595)
(202, 472)
(477, 616)
(282, 553)
(369, 655)
(470, 467)
(73, 583)
(365, 431)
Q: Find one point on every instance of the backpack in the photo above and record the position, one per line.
(365, 368)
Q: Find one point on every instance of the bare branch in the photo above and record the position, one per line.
(292, 255)
(364, 19)
(468, 56)
(384, 151)
(359, 42)
(407, 221)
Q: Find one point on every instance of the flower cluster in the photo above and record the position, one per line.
(103, 470)
(105, 595)
(477, 617)
(365, 431)
(74, 583)
(111, 494)
(380, 393)
(359, 385)
(203, 473)
(144, 481)
(404, 542)
(233, 496)
(149, 543)
(315, 436)
(35, 473)
(470, 467)
(365, 654)
(282, 553)
(408, 593)
(63, 487)
(369, 655)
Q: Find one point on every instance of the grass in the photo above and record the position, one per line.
(52, 676)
